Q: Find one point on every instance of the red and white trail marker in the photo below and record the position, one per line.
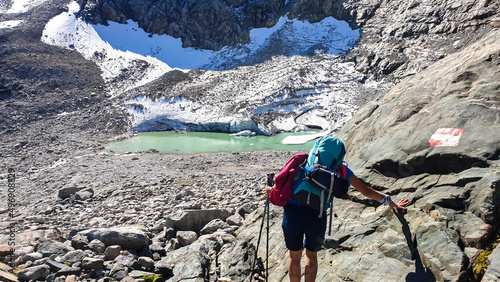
(446, 137)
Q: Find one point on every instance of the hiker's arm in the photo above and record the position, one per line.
(374, 194)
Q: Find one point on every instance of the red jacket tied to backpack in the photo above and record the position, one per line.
(282, 191)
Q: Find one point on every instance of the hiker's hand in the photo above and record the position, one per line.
(268, 190)
(400, 205)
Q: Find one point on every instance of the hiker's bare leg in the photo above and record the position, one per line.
(311, 266)
(294, 271)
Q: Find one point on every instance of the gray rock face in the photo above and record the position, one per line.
(200, 24)
(451, 188)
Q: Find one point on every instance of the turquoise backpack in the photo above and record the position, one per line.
(323, 176)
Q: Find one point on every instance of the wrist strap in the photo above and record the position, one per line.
(386, 199)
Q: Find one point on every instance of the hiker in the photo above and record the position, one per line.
(300, 221)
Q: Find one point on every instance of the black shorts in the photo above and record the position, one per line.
(302, 221)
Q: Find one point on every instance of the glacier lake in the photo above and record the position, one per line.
(204, 142)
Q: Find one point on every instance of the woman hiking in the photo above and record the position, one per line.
(301, 222)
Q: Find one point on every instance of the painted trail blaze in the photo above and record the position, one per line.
(446, 137)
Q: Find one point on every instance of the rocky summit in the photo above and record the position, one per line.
(425, 118)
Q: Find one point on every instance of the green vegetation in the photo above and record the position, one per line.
(151, 278)
(481, 263)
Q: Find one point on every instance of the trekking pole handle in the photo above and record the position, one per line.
(270, 179)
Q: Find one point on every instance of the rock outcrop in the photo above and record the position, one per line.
(453, 190)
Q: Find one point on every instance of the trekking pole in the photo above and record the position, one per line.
(270, 183)
(258, 243)
(331, 218)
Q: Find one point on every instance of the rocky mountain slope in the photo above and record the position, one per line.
(419, 33)
(56, 112)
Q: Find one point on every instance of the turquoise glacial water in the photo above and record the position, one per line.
(204, 142)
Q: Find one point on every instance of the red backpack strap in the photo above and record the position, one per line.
(341, 170)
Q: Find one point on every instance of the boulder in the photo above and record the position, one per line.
(92, 263)
(74, 256)
(194, 220)
(34, 273)
(214, 226)
(97, 246)
(235, 220)
(186, 237)
(32, 256)
(129, 237)
(67, 192)
(146, 262)
(84, 194)
(48, 247)
(390, 146)
(55, 266)
(79, 242)
(112, 252)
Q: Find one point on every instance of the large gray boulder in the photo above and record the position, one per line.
(128, 237)
(195, 220)
(48, 247)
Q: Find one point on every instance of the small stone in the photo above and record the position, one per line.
(74, 256)
(97, 246)
(92, 263)
(71, 278)
(186, 237)
(73, 270)
(125, 259)
(67, 192)
(158, 248)
(32, 256)
(146, 262)
(112, 252)
(79, 242)
(118, 272)
(84, 194)
(38, 219)
(48, 247)
(235, 219)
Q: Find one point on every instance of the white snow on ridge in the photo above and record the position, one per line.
(297, 37)
(20, 6)
(67, 31)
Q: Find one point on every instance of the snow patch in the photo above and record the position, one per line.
(10, 24)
